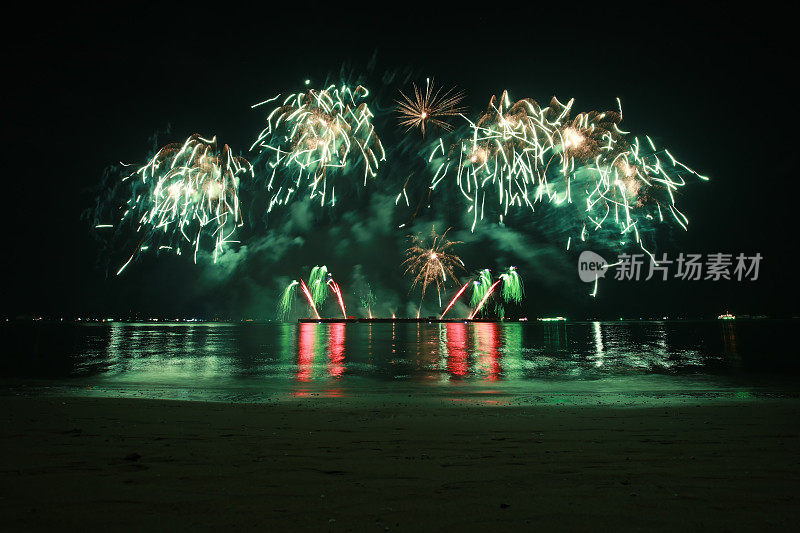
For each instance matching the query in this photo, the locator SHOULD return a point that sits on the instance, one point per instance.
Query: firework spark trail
(313, 135)
(483, 300)
(186, 191)
(455, 298)
(512, 285)
(505, 148)
(309, 298)
(483, 287)
(338, 292)
(480, 286)
(431, 263)
(317, 282)
(520, 154)
(368, 300)
(316, 291)
(429, 106)
(287, 299)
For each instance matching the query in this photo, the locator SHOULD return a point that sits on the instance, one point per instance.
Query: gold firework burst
(430, 261)
(428, 107)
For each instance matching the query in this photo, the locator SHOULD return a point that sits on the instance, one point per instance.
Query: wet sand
(78, 463)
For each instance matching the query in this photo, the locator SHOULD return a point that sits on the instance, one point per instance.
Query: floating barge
(429, 320)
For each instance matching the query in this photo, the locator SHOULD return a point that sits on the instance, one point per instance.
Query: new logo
(591, 266)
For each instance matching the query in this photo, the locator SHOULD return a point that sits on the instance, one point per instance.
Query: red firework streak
(458, 294)
(308, 297)
(335, 288)
(485, 297)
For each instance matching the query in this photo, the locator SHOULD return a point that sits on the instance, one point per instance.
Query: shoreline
(433, 391)
(72, 462)
(412, 396)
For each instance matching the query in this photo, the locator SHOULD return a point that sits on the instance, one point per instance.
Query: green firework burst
(313, 135)
(318, 284)
(480, 287)
(512, 285)
(287, 299)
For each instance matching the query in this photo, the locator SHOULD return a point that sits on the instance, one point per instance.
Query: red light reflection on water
(457, 349)
(305, 351)
(336, 349)
(488, 338)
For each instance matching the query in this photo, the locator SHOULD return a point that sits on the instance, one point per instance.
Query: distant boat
(726, 316)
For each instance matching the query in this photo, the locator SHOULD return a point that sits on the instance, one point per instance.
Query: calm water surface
(613, 362)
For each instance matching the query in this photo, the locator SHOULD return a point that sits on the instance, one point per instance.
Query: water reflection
(310, 344)
(457, 364)
(730, 347)
(159, 354)
(306, 351)
(555, 335)
(336, 349)
(598, 344)
(337, 355)
(453, 351)
(487, 348)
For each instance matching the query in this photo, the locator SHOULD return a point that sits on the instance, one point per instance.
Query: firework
(317, 283)
(429, 107)
(310, 298)
(455, 298)
(484, 286)
(623, 186)
(315, 292)
(480, 286)
(312, 135)
(483, 300)
(430, 262)
(367, 300)
(501, 156)
(338, 292)
(185, 194)
(287, 299)
(520, 154)
(512, 285)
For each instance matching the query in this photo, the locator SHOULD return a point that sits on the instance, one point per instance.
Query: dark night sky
(85, 89)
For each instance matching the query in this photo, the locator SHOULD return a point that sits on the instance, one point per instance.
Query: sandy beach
(78, 463)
